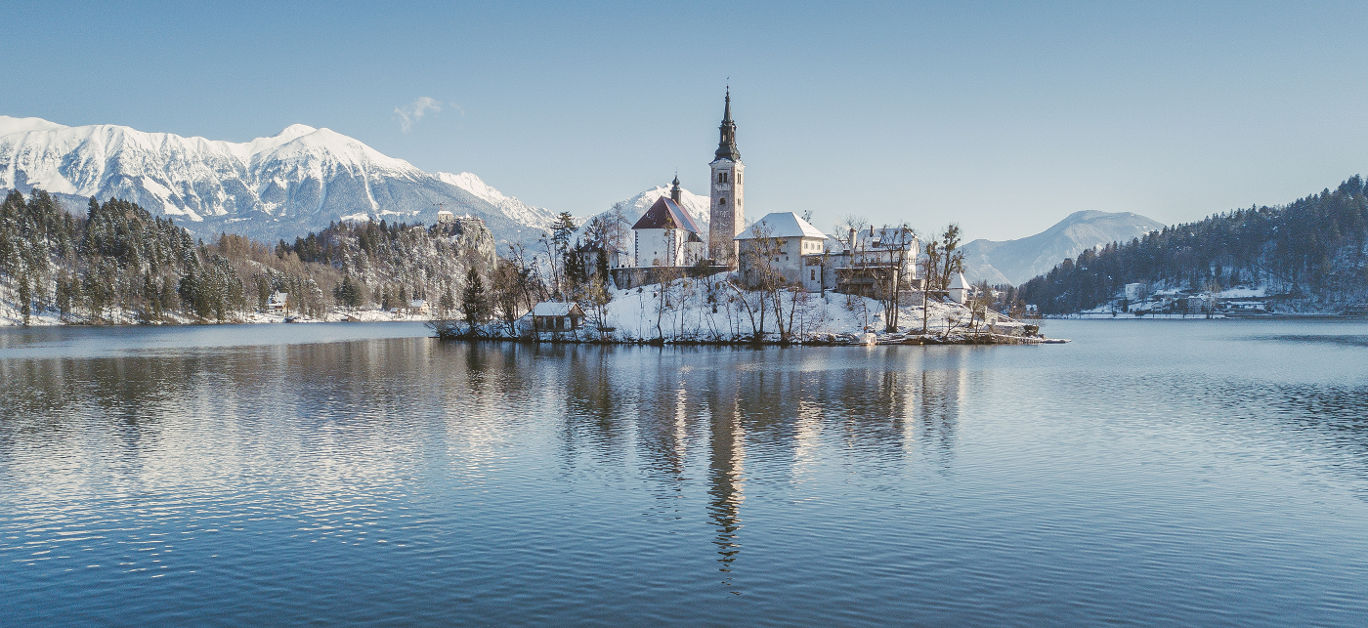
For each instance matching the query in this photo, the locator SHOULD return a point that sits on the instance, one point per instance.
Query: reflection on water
(390, 478)
(1333, 339)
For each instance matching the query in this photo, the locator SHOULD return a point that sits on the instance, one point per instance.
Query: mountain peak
(1016, 261)
(11, 124)
(293, 131)
(1086, 214)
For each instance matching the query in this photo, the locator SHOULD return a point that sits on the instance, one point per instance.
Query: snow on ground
(636, 315)
(11, 316)
(690, 315)
(1243, 292)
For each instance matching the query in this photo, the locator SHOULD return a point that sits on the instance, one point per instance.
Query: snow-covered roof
(888, 238)
(552, 308)
(957, 282)
(781, 225)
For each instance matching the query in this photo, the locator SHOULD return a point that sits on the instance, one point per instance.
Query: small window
(812, 274)
(722, 201)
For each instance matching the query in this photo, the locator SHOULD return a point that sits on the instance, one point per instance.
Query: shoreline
(1280, 316)
(255, 319)
(452, 331)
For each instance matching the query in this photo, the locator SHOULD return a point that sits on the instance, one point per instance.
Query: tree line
(1311, 251)
(118, 263)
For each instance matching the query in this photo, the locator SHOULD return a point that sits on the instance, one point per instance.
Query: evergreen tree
(474, 301)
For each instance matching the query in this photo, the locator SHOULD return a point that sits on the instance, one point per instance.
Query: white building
(959, 289)
(778, 243)
(277, 301)
(871, 260)
(666, 235)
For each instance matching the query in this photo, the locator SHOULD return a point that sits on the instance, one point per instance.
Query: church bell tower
(727, 214)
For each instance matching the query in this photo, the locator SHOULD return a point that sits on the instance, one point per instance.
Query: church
(780, 246)
(665, 236)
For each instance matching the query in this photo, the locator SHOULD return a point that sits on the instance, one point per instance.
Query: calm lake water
(1150, 471)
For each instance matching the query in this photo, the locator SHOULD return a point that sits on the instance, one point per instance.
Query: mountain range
(303, 178)
(1017, 261)
(281, 186)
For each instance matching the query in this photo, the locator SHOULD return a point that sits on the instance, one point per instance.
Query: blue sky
(1004, 117)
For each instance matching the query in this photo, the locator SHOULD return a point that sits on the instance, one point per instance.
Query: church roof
(666, 214)
(781, 225)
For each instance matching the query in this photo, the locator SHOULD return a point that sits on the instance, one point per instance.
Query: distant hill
(1015, 261)
(1309, 255)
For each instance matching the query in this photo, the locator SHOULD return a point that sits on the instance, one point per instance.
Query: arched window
(722, 201)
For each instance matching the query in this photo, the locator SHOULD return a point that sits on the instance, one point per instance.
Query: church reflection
(699, 425)
(726, 467)
(719, 416)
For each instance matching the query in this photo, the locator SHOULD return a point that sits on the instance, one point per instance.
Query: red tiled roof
(666, 214)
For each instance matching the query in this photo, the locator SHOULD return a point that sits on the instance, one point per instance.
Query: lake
(1148, 472)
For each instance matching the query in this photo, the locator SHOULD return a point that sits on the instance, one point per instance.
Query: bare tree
(595, 300)
(507, 293)
(895, 248)
(979, 303)
(764, 277)
(952, 258)
(666, 299)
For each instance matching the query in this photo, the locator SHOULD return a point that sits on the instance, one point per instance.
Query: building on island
(727, 198)
(666, 236)
(958, 289)
(594, 258)
(556, 316)
(775, 248)
(873, 259)
(779, 249)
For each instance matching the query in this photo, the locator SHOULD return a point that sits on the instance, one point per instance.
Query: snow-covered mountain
(633, 208)
(274, 187)
(1016, 261)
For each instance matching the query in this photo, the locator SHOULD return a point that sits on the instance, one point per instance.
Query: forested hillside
(118, 263)
(1310, 255)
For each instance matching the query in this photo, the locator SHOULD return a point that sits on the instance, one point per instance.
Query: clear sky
(1004, 117)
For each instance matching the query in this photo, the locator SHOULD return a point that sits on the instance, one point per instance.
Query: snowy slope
(634, 207)
(279, 186)
(1017, 261)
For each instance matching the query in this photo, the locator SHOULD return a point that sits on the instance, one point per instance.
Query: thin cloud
(411, 113)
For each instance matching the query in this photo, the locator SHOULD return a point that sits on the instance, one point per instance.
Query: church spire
(675, 193)
(726, 145)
